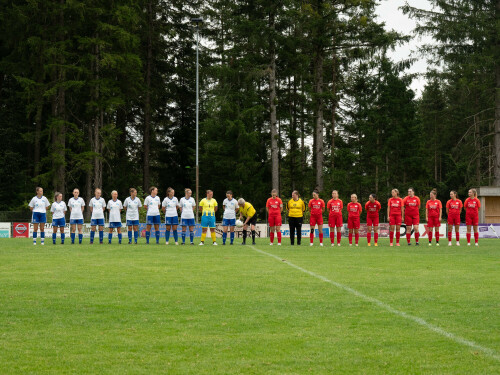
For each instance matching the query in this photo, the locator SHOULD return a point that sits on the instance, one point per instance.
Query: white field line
(459, 340)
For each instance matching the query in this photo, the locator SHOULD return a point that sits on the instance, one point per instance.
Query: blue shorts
(76, 221)
(94, 222)
(171, 220)
(39, 217)
(153, 220)
(115, 224)
(228, 222)
(132, 223)
(208, 221)
(59, 222)
(188, 222)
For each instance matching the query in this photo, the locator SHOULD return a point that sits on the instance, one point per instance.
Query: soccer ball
(239, 223)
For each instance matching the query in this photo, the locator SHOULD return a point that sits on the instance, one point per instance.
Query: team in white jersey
(229, 219)
(115, 208)
(187, 205)
(152, 204)
(76, 205)
(132, 205)
(38, 206)
(97, 206)
(169, 207)
(58, 209)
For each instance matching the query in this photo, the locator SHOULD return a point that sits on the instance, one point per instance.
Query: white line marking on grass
(459, 340)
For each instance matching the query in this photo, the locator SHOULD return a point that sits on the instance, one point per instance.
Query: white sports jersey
(230, 207)
(76, 208)
(171, 206)
(58, 210)
(153, 205)
(115, 208)
(132, 208)
(39, 204)
(187, 207)
(97, 207)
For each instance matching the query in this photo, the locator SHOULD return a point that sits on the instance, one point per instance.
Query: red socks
(339, 237)
(408, 237)
(321, 238)
(350, 238)
(398, 236)
(311, 235)
(449, 236)
(392, 236)
(369, 237)
(376, 237)
(468, 237)
(332, 236)
(430, 236)
(356, 237)
(476, 236)
(417, 236)
(457, 236)
(272, 237)
(279, 237)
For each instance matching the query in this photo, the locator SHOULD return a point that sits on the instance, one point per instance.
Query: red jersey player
(335, 206)
(372, 208)
(274, 207)
(453, 210)
(411, 203)
(317, 207)
(354, 209)
(395, 211)
(433, 213)
(472, 206)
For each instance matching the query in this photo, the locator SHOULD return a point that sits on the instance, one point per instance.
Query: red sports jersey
(354, 209)
(335, 207)
(472, 206)
(274, 206)
(454, 206)
(395, 205)
(433, 207)
(411, 205)
(372, 209)
(316, 206)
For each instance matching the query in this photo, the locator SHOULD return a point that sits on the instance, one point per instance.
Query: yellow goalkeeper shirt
(296, 208)
(208, 206)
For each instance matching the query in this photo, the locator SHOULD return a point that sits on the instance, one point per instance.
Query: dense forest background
(293, 94)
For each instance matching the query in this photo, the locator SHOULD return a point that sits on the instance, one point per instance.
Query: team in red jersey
(354, 209)
(274, 207)
(453, 210)
(395, 211)
(433, 213)
(411, 204)
(334, 207)
(472, 206)
(316, 207)
(372, 208)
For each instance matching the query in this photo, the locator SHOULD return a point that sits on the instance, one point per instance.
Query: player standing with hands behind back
(296, 208)
(208, 208)
(395, 211)
(411, 204)
(38, 206)
(274, 207)
(454, 209)
(433, 213)
(317, 207)
(152, 204)
(472, 206)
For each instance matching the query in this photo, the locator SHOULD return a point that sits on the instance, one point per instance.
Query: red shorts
(316, 220)
(472, 219)
(335, 221)
(433, 222)
(453, 219)
(373, 220)
(353, 222)
(395, 220)
(275, 221)
(412, 219)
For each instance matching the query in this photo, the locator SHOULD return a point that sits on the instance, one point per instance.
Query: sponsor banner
(4, 230)
(260, 231)
(20, 230)
(485, 231)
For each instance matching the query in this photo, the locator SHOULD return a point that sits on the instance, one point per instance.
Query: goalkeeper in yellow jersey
(247, 210)
(208, 207)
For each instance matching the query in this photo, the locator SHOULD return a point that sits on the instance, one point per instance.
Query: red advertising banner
(21, 230)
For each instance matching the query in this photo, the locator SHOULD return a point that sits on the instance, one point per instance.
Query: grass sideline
(141, 309)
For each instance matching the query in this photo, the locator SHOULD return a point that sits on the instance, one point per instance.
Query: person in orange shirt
(472, 206)
(433, 213)
(453, 210)
(334, 207)
(395, 212)
(411, 204)
(354, 209)
(372, 208)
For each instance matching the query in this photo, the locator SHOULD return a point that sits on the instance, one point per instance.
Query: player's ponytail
(434, 192)
(373, 195)
(474, 191)
(396, 191)
(456, 194)
(131, 190)
(151, 189)
(56, 194)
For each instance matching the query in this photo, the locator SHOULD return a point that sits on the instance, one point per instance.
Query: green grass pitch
(101, 309)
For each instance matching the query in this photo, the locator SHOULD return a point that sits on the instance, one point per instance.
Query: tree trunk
(318, 89)
(334, 105)
(97, 124)
(272, 105)
(147, 104)
(38, 131)
(497, 107)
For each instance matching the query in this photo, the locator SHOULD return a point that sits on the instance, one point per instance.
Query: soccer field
(141, 309)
